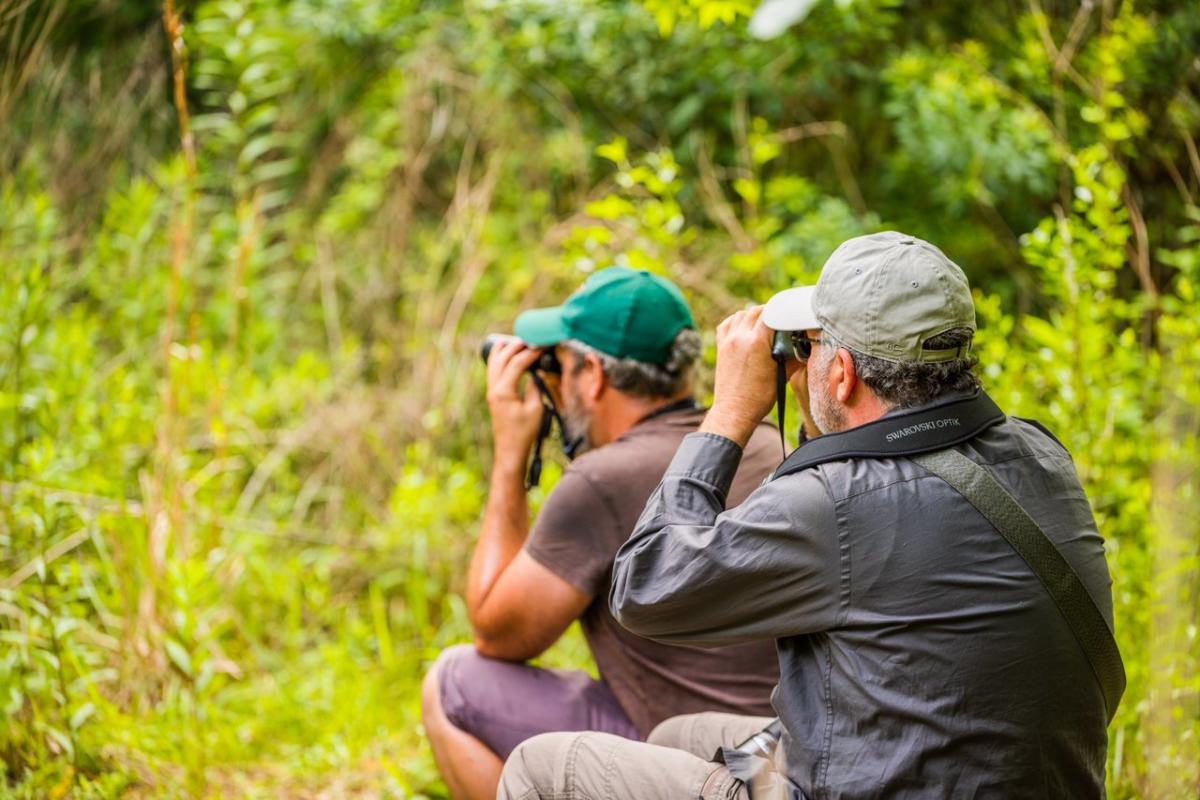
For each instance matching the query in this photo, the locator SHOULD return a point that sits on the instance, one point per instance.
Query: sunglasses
(802, 346)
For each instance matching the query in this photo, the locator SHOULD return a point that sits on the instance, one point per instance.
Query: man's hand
(745, 377)
(516, 417)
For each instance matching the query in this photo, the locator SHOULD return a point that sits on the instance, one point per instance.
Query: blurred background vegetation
(248, 249)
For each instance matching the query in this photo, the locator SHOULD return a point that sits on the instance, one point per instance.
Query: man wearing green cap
(626, 344)
(929, 568)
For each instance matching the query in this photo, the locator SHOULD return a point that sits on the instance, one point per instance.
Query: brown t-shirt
(583, 523)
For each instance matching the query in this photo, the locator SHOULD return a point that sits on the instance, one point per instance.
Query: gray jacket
(920, 656)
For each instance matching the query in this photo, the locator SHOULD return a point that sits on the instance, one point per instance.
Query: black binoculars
(547, 361)
(781, 346)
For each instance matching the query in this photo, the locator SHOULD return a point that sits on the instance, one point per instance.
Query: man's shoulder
(1035, 438)
(636, 455)
(591, 510)
(1013, 443)
(796, 492)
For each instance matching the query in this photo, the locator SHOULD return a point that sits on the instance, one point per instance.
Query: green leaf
(63, 740)
(82, 715)
(684, 113)
(614, 151)
(610, 207)
(748, 189)
(179, 657)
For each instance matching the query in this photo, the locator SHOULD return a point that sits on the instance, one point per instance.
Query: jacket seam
(846, 575)
(822, 787)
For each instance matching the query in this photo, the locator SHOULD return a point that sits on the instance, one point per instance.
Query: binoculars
(547, 361)
(781, 346)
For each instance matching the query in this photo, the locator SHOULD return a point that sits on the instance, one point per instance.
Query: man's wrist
(506, 466)
(731, 425)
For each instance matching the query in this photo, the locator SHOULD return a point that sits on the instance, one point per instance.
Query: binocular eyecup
(546, 362)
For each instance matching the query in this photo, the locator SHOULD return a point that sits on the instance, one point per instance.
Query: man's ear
(845, 375)
(596, 381)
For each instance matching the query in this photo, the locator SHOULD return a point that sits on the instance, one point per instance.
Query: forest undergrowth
(248, 251)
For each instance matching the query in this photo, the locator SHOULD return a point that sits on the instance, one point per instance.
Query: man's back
(943, 666)
(578, 532)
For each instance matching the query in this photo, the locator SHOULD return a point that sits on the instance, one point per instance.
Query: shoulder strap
(933, 428)
(1000, 508)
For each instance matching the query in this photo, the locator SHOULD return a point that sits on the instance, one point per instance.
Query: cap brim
(541, 327)
(791, 310)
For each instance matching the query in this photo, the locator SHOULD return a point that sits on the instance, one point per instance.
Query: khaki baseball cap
(883, 295)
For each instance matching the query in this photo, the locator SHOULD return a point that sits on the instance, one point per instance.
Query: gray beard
(576, 423)
(826, 413)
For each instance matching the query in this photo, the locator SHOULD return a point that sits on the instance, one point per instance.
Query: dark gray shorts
(503, 703)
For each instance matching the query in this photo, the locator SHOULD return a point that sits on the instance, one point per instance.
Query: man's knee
(702, 734)
(600, 766)
(693, 733)
(432, 710)
(537, 766)
(672, 732)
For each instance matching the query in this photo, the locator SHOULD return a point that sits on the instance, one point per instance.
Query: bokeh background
(248, 249)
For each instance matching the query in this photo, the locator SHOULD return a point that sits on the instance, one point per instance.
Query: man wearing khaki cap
(929, 568)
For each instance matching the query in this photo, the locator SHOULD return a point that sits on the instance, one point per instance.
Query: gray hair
(907, 384)
(644, 378)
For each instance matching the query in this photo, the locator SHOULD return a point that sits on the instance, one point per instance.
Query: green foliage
(955, 120)
(241, 448)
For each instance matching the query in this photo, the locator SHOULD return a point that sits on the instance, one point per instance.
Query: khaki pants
(673, 763)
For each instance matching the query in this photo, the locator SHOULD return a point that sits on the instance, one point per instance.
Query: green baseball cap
(883, 295)
(620, 311)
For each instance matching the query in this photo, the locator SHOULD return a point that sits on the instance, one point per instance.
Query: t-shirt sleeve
(576, 534)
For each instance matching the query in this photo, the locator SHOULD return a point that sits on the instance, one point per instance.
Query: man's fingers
(723, 328)
(743, 324)
(521, 361)
(742, 328)
(749, 324)
(761, 329)
(752, 323)
(734, 322)
(502, 353)
(740, 320)
(508, 361)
